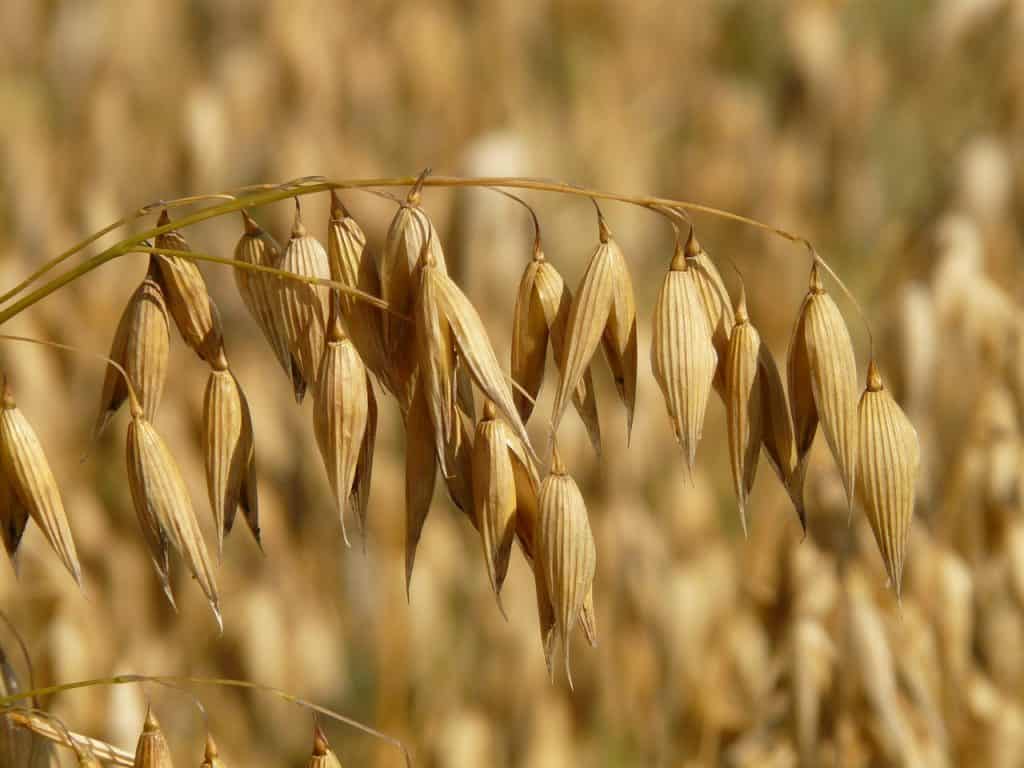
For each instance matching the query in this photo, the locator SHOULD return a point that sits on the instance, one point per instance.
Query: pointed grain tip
(693, 247)
(211, 748)
(164, 219)
(298, 228)
(151, 724)
(338, 209)
(814, 283)
(874, 378)
(251, 227)
(320, 744)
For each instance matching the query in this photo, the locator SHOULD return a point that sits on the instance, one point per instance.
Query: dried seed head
(743, 405)
(211, 755)
(353, 265)
(715, 299)
(152, 750)
(302, 306)
(229, 449)
(832, 371)
(420, 474)
(501, 477)
(436, 359)
(777, 428)
(323, 756)
(459, 459)
(683, 357)
(410, 230)
(603, 310)
(141, 345)
(340, 414)
(259, 290)
(565, 550)
(164, 509)
(32, 484)
(475, 350)
(190, 304)
(541, 313)
(889, 456)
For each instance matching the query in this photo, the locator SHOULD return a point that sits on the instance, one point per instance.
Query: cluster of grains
(339, 318)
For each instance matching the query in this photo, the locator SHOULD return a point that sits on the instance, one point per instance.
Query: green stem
(265, 195)
(8, 701)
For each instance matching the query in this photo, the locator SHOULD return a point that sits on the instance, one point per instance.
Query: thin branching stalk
(7, 702)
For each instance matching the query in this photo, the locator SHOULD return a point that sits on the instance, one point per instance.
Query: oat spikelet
(743, 405)
(352, 264)
(229, 450)
(603, 310)
(832, 370)
(475, 350)
(459, 457)
(190, 304)
(152, 750)
(303, 307)
(541, 313)
(340, 412)
(164, 509)
(211, 755)
(683, 357)
(777, 428)
(31, 482)
(410, 229)
(889, 456)
(259, 290)
(565, 550)
(141, 345)
(496, 492)
(715, 299)
(420, 474)
(323, 756)
(436, 358)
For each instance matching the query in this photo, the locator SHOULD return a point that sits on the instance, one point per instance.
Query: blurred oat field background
(890, 134)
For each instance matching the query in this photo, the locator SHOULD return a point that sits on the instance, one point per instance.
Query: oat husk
(603, 311)
(14, 519)
(474, 349)
(743, 405)
(496, 492)
(31, 483)
(352, 264)
(164, 509)
(715, 299)
(420, 474)
(229, 450)
(340, 412)
(259, 290)
(141, 346)
(779, 442)
(822, 373)
(188, 300)
(565, 550)
(683, 357)
(889, 461)
(541, 315)
(302, 306)
(152, 750)
(360, 497)
(398, 269)
(435, 354)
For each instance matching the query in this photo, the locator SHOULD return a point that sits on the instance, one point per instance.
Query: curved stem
(265, 194)
(7, 701)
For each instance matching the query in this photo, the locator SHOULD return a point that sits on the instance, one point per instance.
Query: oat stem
(259, 195)
(7, 701)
